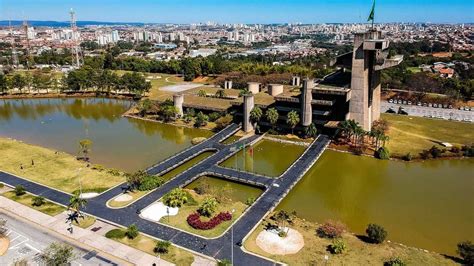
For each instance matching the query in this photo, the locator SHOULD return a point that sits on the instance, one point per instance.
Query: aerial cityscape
(236, 132)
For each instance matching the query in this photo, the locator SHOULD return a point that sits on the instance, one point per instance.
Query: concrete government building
(352, 92)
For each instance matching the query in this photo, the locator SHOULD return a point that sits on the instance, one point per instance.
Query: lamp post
(232, 241)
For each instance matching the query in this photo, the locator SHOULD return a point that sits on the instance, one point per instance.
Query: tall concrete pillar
(364, 105)
(178, 100)
(253, 87)
(248, 106)
(296, 81)
(306, 98)
(228, 84)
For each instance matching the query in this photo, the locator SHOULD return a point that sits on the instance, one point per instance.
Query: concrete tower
(248, 106)
(306, 98)
(369, 57)
(178, 100)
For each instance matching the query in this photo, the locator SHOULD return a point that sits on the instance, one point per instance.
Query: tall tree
(292, 120)
(272, 116)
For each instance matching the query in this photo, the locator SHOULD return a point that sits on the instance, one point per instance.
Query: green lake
(428, 205)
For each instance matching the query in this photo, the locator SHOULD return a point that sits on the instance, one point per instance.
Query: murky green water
(236, 191)
(266, 157)
(123, 143)
(428, 205)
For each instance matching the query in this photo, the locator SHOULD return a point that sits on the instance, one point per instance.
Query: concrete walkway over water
(275, 189)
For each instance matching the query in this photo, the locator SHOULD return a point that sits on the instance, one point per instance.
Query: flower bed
(194, 220)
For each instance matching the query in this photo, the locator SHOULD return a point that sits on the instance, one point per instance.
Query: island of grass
(147, 244)
(345, 249)
(410, 134)
(53, 168)
(135, 193)
(46, 207)
(210, 199)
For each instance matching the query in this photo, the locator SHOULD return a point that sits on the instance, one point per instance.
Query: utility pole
(74, 37)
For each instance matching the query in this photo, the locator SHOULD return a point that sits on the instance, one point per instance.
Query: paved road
(275, 190)
(442, 113)
(27, 242)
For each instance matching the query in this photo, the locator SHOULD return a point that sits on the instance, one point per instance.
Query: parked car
(409, 102)
(390, 100)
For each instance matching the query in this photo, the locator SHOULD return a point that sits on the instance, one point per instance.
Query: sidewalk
(83, 236)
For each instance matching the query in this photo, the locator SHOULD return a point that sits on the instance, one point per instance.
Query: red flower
(194, 220)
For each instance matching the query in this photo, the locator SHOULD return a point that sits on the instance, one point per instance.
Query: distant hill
(42, 23)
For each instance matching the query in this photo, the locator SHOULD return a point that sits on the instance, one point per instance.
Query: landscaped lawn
(48, 207)
(146, 244)
(357, 251)
(179, 220)
(414, 134)
(52, 168)
(86, 222)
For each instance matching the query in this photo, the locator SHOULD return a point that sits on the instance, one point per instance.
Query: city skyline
(244, 11)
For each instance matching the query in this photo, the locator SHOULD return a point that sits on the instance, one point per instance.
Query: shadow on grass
(364, 239)
(453, 258)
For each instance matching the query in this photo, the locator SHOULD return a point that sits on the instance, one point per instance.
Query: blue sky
(241, 11)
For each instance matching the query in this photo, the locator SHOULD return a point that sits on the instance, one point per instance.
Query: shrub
(466, 251)
(1, 185)
(113, 172)
(19, 190)
(468, 151)
(175, 198)
(394, 262)
(425, 155)
(338, 246)
(208, 207)
(202, 188)
(98, 167)
(408, 157)
(162, 247)
(382, 153)
(201, 120)
(132, 231)
(224, 121)
(435, 152)
(376, 233)
(150, 182)
(224, 262)
(194, 220)
(115, 234)
(214, 116)
(331, 229)
(282, 234)
(37, 201)
(455, 149)
(250, 201)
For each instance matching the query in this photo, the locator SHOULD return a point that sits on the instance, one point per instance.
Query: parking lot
(27, 242)
(431, 112)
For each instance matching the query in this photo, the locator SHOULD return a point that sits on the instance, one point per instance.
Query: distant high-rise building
(115, 36)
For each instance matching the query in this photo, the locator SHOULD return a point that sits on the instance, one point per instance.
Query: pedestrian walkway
(220, 248)
(87, 238)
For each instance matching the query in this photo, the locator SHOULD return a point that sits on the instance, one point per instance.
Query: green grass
(55, 169)
(146, 244)
(86, 222)
(179, 220)
(414, 69)
(357, 251)
(48, 207)
(415, 134)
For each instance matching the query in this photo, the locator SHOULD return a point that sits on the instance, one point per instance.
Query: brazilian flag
(372, 13)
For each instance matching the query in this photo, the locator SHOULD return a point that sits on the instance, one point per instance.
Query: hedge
(194, 220)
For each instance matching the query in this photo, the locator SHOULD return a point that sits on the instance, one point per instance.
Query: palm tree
(208, 207)
(272, 116)
(311, 131)
(175, 198)
(202, 93)
(292, 120)
(76, 202)
(255, 115)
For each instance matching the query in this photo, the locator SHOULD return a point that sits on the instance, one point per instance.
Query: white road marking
(33, 248)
